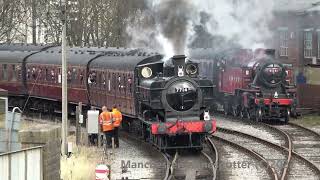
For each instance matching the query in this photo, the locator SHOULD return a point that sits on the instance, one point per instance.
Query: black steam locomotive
(271, 96)
(250, 84)
(173, 103)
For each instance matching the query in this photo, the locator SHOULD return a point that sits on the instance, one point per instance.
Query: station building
(296, 38)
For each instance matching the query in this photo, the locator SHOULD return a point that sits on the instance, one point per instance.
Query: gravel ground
(237, 165)
(251, 129)
(142, 161)
(192, 165)
(309, 121)
(300, 171)
(304, 143)
(275, 157)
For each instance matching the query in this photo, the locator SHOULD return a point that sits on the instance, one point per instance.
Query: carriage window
(39, 75)
(4, 72)
(130, 85)
(81, 78)
(18, 69)
(119, 83)
(92, 79)
(53, 76)
(14, 73)
(103, 81)
(99, 80)
(69, 76)
(109, 81)
(114, 81)
(34, 73)
(46, 75)
(124, 86)
(28, 73)
(74, 76)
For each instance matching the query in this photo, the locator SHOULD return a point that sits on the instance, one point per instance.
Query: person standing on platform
(117, 119)
(107, 126)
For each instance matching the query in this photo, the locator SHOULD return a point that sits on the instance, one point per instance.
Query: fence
(25, 164)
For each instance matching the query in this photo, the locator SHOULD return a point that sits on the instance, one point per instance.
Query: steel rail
(168, 166)
(257, 156)
(214, 164)
(291, 152)
(305, 129)
(289, 148)
(170, 170)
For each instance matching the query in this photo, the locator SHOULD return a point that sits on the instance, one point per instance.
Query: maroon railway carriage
(12, 62)
(168, 109)
(32, 74)
(250, 84)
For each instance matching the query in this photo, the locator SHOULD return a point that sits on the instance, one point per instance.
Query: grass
(1, 124)
(308, 120)
(81, 165)
(2, 121)
(27, 125)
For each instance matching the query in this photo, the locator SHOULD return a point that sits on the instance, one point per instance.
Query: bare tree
(91, 22)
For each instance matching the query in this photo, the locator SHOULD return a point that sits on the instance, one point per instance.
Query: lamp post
(64, 129)
(65, 8)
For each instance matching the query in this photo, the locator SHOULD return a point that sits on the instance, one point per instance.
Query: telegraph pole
(64, 129)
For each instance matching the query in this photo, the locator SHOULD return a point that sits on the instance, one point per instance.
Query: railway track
(254, 128)
(193, 165)
(305, 142)
(283, 157)
(239, 161)
(153, 163)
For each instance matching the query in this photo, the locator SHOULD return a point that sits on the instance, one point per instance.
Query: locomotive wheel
(258, 115)
(234, 111)
(247, 114)
(293, 113)
(241, 114)
(225, 109)
(287, 117)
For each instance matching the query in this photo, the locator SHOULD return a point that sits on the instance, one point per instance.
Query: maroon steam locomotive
(250, 84)
(167, 105)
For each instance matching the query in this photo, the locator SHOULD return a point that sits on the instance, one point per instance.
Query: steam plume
(169, 26)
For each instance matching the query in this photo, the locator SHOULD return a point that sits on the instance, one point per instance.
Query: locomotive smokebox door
(179, 65)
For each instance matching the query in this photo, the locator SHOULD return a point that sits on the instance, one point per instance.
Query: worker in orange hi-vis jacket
(105, 119)
(117, 119)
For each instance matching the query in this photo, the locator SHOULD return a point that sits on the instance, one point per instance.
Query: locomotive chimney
(270, 52)
(179, 64)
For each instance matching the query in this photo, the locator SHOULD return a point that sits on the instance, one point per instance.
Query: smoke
(241, 22)
(173, 26)
(174, 20)
(164, 26)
